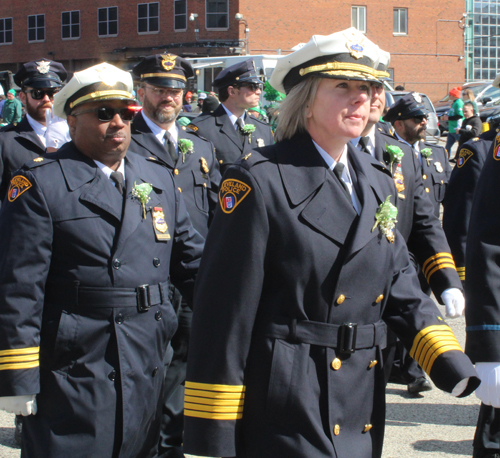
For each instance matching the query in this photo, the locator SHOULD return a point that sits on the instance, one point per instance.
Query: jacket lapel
(380, 151)
(25, 131)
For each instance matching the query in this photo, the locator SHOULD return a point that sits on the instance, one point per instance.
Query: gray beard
(164, 118)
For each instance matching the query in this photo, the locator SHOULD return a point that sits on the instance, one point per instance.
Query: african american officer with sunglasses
(39, 81)
(232, 131)
(90, 238)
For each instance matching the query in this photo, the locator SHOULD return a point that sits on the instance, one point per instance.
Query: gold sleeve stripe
(20, 351)
(444, 265)
(211, 387)
(434, 344)
(461, 269)
(433, 258)
(220, 402)
(427, 365)
(213, 416)
(18, 359)
(213, 409)
(212, 395)
(30, 365)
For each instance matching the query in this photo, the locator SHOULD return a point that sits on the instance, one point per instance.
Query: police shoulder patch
(192, 127)
(496, 148)
(464, 156)
(18, 185)
(231, 194)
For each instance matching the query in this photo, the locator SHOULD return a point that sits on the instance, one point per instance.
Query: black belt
(73, 295)
(346, 337)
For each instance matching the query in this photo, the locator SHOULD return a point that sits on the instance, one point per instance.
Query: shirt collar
(371, 143)
(107, 171)
(159, 133)
(233, 117)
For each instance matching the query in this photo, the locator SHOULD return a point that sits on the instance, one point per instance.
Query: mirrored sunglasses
(39, 94)
(106, 114)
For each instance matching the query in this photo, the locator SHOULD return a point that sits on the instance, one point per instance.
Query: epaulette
(7, 128)
(38, 162)
(259, 121)
(191, 131)
(382, 168)
(157, 160)
(248, 160)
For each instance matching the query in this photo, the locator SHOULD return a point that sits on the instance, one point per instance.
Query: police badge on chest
(160, 225)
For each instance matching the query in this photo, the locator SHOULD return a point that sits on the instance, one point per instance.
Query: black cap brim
(38, 83)
(165, 82)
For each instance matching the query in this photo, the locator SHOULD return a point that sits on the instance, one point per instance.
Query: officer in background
(418, 225)
(458, 200)
(192, 161)
(89, 238)
(408, 116)
(232, 131)
(39, 80)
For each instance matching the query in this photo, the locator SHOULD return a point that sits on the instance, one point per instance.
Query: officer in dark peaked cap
(191, 159)
(39, 81)
(408, 117)
(90, 238)
(232, 131)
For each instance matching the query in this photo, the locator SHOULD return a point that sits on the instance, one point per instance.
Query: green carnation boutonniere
(141, 193)
(247, 130)
(426, 152)
(395, 153)
(385, 218)
(185, 146)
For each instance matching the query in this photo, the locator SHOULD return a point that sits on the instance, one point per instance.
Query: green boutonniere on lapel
(247, 130)
(185, 146)
(395, 153)
(141, 193)
(426, 152)
(385, 219)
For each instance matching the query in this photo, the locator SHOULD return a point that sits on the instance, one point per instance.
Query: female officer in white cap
(289, 324)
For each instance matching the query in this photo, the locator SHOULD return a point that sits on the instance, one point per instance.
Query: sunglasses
(106, 114)
(252, 86)
(39, 94)
(419, 119)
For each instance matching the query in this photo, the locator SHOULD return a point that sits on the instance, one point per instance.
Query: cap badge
(417, 97)
(168, 61)
(355, 49)
(106, 75)
(43, 67)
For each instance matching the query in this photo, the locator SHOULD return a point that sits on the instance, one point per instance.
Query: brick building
(423, 36)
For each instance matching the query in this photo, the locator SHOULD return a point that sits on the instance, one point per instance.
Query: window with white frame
(217, 14)
(148, 17)
(180, 14)
(107, 21)
(400, 21)
(70, 25)
(6, 37)
(358, 18)
(36, 27)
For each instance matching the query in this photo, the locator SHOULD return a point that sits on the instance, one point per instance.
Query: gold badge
(399, 179)
(260, 142)
(204, 165)
(355, 44)
(107, 75)
(159, 224)
(463, 157)
(439, 167)
(38, 159)
(168, 61)
(43, 67)
(232, 193)
(18, 185)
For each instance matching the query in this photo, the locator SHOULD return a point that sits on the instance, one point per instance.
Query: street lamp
(239, 17)
(193, 17)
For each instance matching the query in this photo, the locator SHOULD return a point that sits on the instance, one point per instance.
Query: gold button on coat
(336, 430)
(205, 185)
(424, 177)
(379, 299)
(373, 363)
(220, 161)
(427, 190)
(336, 364)
(176, 171)
(367, 428)
(180, 190)
(340, 299)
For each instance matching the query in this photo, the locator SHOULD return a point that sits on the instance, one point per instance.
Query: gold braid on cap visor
(344, 68)
(102, 95)
(164, 75)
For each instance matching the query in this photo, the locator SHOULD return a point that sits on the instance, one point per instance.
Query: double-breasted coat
(288, 326)
(86, 319)
(218, 128)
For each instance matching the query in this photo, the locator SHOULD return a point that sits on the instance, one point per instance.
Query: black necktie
(117, 177)
(169, 144)
(363, 145)
(338, 169)
(239, 129)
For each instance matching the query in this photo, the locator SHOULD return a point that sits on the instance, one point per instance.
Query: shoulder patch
(192, 127)
(18, 185)
(496, 148)
(232, 193)
(464, 156)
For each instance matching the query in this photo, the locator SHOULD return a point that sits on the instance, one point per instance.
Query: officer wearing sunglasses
(232, 131)
(39, 81)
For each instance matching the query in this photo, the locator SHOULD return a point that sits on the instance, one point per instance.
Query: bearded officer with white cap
(90, 239)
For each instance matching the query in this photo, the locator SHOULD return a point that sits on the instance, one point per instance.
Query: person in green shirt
(12, 111)
(455, 118)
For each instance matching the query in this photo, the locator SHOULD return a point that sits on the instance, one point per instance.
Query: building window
(217, 14)
(358, 18)
(6, 31)
(107, 21)
(148, 17)
(180, 15)
(70, 23)
(36, 27)
(400, 21)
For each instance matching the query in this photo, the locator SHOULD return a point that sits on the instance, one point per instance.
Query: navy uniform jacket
(417, 222)
(267, 376)
(458, 200)
(436, 174)
(18, 145)
(197, 176)
(71, 262)
(482, 294)
(218, 128)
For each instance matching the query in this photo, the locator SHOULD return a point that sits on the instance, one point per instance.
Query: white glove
(454, 302)
(57, 133)
(489, 390)
(20, 405)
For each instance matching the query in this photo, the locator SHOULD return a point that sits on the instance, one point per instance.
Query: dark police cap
(164, 70)
(41, 73)
(408, 106)
(242, 72)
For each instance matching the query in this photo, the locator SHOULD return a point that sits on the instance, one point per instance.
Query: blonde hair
(470, 94)
(293, 110)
